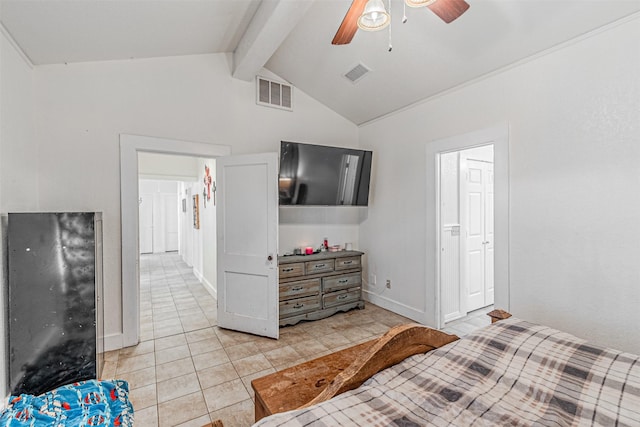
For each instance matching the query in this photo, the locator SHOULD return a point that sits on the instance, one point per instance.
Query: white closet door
(171, 221)
(479, 234)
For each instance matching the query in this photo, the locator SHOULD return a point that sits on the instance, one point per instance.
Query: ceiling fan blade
(449, 10)
(349, 25)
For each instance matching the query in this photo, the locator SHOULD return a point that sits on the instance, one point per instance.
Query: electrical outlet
(372, 279)
(388, 284)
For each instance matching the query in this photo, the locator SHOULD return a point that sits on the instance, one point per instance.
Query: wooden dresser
(316, 286)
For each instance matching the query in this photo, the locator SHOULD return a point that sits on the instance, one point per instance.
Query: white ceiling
(59, 31)
(292, 38)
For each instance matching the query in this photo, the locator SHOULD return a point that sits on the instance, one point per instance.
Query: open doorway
(176, 212)
(466, 229)
(446, 223)
(130, 147)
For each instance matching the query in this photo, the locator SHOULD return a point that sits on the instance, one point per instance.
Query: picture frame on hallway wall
(196, 212)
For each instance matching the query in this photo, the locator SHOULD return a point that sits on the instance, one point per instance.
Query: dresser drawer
(341, 282)
(340, 297)
(291, 270)
(299, 289)
(313, 267)
(348, 262)
(299, 306)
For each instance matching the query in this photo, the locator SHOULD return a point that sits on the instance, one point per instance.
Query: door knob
(270, 258)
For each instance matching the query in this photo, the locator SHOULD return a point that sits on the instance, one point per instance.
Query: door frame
(130, 146)
(497, 135)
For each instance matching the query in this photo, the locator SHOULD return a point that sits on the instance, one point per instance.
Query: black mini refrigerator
(55, 299)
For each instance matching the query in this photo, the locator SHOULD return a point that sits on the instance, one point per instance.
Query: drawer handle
(343, 296)
(298, 305)
(288, 270)
(347, 262)
(297, 288)
(343, 281)
(320, 265)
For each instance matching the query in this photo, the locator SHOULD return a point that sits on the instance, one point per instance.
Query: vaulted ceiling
(292, 38)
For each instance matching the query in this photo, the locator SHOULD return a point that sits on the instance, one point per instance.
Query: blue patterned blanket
(85, 403)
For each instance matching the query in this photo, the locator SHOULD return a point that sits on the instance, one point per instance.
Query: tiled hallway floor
(187, 371)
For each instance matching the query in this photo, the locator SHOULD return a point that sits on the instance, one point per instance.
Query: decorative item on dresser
(316, 286)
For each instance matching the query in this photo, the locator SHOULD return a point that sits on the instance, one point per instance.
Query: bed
(510, 373)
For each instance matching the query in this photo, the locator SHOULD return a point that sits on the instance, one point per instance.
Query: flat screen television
(319, 175)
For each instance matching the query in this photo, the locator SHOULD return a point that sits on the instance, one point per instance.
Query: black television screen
(319, 175)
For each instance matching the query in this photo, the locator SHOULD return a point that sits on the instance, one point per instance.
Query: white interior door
(171, 221)
(478, 224)
(247, 228)
(145, 215)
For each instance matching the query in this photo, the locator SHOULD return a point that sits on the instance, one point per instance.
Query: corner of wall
(7, 35)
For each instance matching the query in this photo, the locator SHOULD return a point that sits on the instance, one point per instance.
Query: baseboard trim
(394, 306)
(198, 275)
(210, 288)
(113, 342)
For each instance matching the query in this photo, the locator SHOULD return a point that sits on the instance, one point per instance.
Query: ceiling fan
(371, 15)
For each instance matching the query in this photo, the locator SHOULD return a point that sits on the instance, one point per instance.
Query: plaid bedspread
(510, 373)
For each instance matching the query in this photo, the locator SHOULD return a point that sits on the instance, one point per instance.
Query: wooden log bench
(327, 376)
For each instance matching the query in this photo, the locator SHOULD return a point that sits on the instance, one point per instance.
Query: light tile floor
(474, 320)
(186, 371)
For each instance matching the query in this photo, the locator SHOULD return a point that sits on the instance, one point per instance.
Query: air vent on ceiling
(356, 73)
(274, 94)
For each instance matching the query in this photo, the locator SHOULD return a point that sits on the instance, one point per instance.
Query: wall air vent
(357, 73)
(274, 94)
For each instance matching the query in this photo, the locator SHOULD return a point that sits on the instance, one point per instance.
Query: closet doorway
(466, 231)
(468, 258)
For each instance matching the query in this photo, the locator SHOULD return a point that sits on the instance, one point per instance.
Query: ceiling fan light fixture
(419, 3)
(374, 17)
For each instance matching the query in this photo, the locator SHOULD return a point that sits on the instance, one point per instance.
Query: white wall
(18, 147)
(186, 224)
(339, 224)
(82, 108)
(574, 117)
(196, 236)
(167, 166)
(208, 228)
(18, 156)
